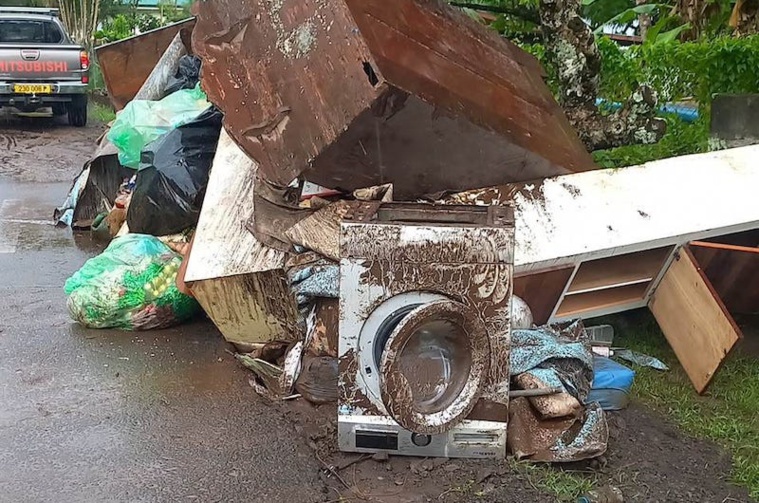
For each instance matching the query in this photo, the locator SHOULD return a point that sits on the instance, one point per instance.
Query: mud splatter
(571, 189)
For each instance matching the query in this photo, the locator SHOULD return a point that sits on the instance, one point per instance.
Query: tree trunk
(644, 21)
(80, 18)
(571, 47)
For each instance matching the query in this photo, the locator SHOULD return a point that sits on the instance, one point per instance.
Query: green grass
(565, 485)
(101, 113)
(727, 414)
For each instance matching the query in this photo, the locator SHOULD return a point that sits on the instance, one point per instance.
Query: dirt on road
(44, 150)
(222, 438)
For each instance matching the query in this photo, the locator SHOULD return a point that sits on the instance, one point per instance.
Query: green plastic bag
(131, 286)
(142, 121)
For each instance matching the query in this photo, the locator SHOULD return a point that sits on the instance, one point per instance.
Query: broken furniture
(239, 282)
(601, 242)
(356, 93)
(425, 293)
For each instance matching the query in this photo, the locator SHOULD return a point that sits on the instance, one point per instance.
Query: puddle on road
(26, 222)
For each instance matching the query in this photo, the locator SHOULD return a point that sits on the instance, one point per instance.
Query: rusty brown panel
(448, 100)
(127, 63)
(541, 291)
(428, 49)
(288, 75)
(435, 26)
(732, 273)
(421, 149)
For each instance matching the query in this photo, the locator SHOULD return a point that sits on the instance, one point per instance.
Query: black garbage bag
(187, 76)
(173, 176)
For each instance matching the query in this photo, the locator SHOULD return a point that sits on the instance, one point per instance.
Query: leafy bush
(675, 70)
(117, 28)
(146, 22)
(682, 70)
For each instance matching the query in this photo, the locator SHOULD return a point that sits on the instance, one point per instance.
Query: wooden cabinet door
(694, 319)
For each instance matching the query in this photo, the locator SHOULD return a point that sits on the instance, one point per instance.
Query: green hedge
(675, 70)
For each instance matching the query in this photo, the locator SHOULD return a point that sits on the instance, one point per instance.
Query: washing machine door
(433, 366)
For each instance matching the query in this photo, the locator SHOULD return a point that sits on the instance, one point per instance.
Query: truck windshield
(22, 31)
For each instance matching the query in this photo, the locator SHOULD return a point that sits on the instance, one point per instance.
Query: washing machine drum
(433, 361)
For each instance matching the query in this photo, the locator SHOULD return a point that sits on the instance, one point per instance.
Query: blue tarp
(685, 112)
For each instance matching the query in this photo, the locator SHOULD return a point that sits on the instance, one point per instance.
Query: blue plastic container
(612, 382)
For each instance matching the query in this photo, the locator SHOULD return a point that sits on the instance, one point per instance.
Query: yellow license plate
(32, 88)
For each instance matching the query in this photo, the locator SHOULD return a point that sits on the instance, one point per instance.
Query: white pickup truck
(41, 69)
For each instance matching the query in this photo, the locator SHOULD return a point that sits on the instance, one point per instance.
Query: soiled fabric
(557, 361)
(560, 427)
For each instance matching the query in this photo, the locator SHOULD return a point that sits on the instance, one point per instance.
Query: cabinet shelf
(621, 271)
(596, 300)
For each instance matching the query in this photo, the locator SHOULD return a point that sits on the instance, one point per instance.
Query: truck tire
(59, 109)
(78, 111)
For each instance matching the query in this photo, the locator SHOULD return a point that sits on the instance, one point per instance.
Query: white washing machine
(425, 294)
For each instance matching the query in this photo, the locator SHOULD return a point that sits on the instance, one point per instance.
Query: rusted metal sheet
(127, 63)
(433, 51)
(357, 93)
(288, 75)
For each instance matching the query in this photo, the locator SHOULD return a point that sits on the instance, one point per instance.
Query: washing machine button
(420, 440)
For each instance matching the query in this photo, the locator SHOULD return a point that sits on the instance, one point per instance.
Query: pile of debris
(360, 188)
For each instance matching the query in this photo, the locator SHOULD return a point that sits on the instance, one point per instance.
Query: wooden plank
(584, 303)
(223, 246)
(733, 272)
(694, 320)
(250, 308)
(541, 291)
(721, 246)
(620, 270)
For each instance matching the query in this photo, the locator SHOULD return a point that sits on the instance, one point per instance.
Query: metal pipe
(534, 392)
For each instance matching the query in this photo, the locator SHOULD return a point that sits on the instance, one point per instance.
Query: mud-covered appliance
(425, 294)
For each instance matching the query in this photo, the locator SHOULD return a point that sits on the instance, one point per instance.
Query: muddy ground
(170, 416)
(648, 459)
(44, 150)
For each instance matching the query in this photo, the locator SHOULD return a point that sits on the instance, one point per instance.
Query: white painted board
(578, 217)
(222, 245)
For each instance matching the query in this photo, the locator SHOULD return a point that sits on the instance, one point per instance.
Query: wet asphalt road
(94, 416)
